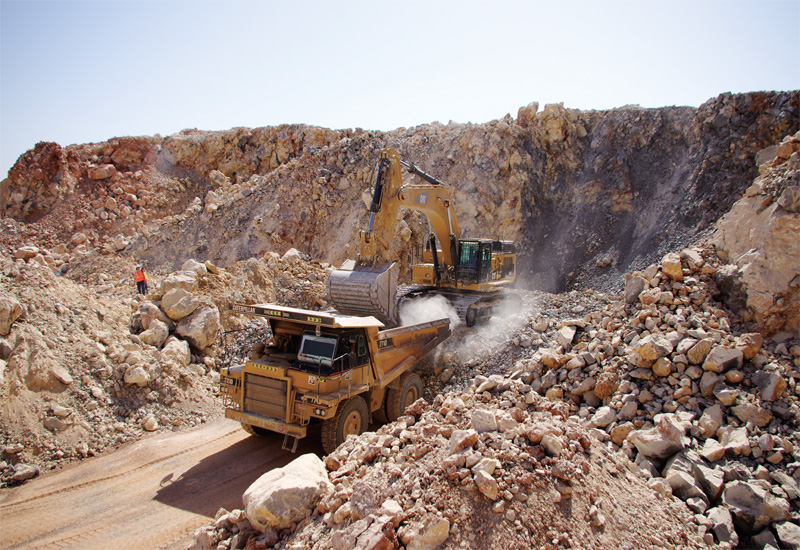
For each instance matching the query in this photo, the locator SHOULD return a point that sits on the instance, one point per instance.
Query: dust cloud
(426, 309)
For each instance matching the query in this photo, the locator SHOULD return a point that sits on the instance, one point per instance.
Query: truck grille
(265, 396)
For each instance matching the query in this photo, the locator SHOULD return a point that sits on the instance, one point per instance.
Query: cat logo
(312, 380)
(422, 199)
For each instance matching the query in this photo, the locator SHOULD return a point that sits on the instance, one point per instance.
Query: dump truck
(339, 370)
(468, 272)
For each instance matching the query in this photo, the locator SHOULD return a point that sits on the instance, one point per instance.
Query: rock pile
(80, 373)
(659, 387)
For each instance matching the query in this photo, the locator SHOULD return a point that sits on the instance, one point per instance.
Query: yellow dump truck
(339, 370)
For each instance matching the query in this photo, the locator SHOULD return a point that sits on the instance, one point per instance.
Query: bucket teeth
(365, 290)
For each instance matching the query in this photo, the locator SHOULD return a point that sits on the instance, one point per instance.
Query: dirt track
(151, 494)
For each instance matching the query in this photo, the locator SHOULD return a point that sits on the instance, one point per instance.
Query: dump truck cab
(335, 369)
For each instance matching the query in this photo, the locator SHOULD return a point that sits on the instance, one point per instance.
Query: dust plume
(428, 309)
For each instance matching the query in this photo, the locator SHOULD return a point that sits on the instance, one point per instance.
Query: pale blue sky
(79, 72)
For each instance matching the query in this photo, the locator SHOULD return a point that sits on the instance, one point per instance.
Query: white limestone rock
(283, 495)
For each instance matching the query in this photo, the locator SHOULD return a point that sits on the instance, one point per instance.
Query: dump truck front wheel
(352, 417)
(255, 430)
(397, 400)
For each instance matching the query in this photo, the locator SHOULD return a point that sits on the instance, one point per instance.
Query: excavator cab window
(474, 262)
(468, 262)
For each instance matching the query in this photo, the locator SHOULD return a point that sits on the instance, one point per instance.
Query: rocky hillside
(587, 195)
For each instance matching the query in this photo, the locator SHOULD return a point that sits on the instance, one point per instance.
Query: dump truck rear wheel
(397, 400)
(255, 430)
(352, 417)
(379, 415)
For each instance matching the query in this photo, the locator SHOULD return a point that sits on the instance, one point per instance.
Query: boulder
(284, 495)
(603, 417)
(749, 344)
(710, 422)
(371, 533)
(23, 472)
(721, 359)
(771, 385)
(662, 441)
(722, 525)
(462, 439)
(699, 351)
(201, 327)
(634, 285)
(484, 421)
(750, 412)
(187, 280)
(10, 310)
(564, 336)
(762, 242)
(788, 534)
(176, 352)
(145, 314)
(429, 534)
(138, 376)
(178, 303)
(195, 266)
(753, 507)
(671, 266)
(653, 346)
(156, 335)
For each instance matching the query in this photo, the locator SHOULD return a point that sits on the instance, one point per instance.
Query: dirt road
(152, 494)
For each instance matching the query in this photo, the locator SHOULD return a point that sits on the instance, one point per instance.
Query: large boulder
(145, 314)
(201, 327)
(176, 352)
(662, 441)
(10, 310)
(178, 303)
(187, 280)
(284, 495)
(753, 507)
(32, 364)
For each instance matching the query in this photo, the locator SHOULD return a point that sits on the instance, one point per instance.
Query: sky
(82, 72)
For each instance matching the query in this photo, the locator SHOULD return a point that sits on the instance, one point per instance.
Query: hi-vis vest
(140, 275)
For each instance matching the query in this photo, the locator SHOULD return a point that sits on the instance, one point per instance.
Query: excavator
(469, 273)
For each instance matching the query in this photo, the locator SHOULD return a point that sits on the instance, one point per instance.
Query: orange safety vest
(140, 276)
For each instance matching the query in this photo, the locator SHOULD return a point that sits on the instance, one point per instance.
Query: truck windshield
(317, 349)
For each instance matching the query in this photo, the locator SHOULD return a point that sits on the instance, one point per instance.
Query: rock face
(760, 237)
(547, 179)
(283, 495)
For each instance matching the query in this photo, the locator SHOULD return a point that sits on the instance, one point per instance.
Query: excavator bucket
(365, 290)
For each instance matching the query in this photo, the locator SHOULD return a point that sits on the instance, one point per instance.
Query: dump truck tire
(397, 400)
(352, 417)
(255, 430)
(379, 415)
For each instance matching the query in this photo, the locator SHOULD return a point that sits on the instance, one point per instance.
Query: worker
(141, 280)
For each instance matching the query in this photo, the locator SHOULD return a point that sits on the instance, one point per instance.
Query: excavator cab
(474, 262)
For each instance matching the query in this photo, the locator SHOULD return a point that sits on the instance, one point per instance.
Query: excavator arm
(390, 194)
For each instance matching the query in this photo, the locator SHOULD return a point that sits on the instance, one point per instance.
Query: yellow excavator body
(468, 272)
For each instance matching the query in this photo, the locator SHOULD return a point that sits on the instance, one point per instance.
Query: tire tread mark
(121, 474)
(60, 543)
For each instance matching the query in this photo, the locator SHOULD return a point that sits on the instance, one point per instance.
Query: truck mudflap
(271, 424)
(365, 290)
